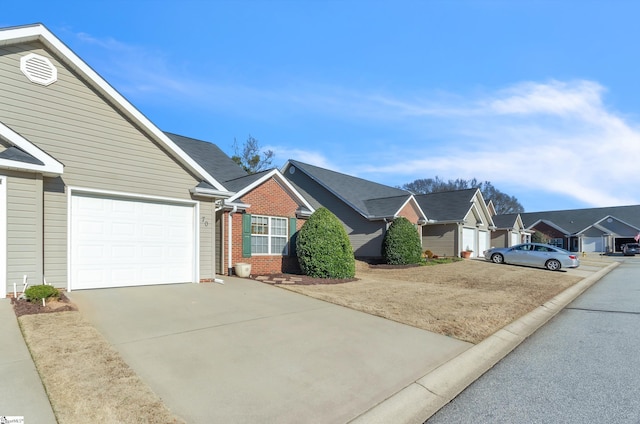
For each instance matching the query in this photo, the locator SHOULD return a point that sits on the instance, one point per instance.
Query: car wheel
(553, 265)
(497, 258)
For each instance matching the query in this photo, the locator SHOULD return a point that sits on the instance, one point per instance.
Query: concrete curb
(423, 398)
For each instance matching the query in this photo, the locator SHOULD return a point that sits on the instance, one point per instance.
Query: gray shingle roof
(505, 221)
(447, 205)
(17, 154)
(210, 158)
(372, 200)
(244, 181)
(576, 220)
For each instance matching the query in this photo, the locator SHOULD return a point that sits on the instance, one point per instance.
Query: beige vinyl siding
(206, 237)
(24, 228)
(500, 238)
(471, 219)
(441, 239)
(366, 238)
(100, 149)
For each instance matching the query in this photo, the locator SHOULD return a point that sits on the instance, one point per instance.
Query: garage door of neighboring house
(483, 242)
(515, 239)
(118, 241)
(592, 244)
(469, 240)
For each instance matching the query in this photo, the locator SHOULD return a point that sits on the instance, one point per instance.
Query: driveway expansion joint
(195, 330)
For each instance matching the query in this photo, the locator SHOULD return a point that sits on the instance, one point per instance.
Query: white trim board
(3, 236)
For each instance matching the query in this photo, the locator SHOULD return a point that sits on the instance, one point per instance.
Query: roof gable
(230, 174)
(39, 33)
(24, 155)
(371, 200)
(508, 221)
(447, 205)
(253, 181)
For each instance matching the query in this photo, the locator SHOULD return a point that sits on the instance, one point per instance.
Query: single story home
(257, 224)
(459, 221)
(92, 193)
(587, 230)
(365, 208)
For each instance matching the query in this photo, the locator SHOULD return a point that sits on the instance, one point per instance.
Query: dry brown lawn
(468, 300)
(85, 378)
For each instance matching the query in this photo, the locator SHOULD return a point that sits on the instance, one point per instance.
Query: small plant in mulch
(43, 291)
(31, 302)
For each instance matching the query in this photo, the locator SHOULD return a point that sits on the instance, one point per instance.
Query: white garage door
(483, 242)
(118, 242)
(515, 239)
(592, 244)
(469, 240)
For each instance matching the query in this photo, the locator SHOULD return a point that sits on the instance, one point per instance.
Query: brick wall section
(410, 211)
(269, 199)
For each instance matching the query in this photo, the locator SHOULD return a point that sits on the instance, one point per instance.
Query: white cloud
(562, 140)
(316, 158)
(573, 99)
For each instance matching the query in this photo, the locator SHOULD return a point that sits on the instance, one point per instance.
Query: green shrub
(43, 291)
(401, 243)
(323, 247)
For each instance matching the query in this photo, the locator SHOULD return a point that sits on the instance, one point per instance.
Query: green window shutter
(293, 235)
(246, 235)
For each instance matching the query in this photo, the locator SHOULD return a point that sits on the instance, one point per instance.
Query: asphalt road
(582, 367)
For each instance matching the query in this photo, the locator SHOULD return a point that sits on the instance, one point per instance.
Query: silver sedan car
(533, 254)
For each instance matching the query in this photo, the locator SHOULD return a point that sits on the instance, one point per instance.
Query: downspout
(213, 247)
(229, 237)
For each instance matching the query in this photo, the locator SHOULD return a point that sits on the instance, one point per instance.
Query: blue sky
(541, 98)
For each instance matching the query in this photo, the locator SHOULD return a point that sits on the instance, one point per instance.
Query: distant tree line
(502, 202)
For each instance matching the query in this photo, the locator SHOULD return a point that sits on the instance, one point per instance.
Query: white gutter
(209, 192)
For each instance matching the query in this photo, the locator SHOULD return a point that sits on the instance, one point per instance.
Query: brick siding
(268, 199)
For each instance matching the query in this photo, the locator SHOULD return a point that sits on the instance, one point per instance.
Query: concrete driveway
(250, 352)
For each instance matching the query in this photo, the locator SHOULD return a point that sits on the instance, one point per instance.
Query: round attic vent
(292, 170)
(38, 69)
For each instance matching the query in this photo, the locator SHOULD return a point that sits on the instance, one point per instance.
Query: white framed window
(268, 235)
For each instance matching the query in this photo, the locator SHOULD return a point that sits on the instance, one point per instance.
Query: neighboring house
(509, 231)
(458, 221)
(92, 193)
(587, 230)
(365, 208)
(257, 224)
